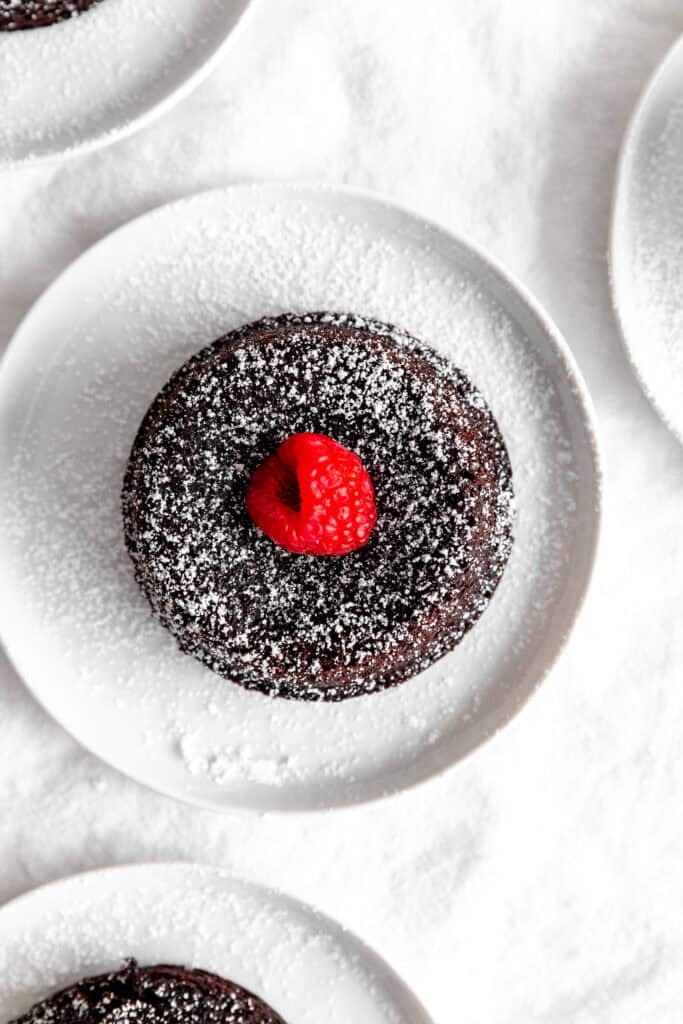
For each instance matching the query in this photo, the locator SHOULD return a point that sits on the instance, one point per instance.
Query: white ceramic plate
(646, 251)
(87, 81)
(74, 386)
(308, 968)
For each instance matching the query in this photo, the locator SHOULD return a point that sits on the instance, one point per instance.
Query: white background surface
(540, 881)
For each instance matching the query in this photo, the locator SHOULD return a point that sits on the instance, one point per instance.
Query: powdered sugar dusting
(155, 295)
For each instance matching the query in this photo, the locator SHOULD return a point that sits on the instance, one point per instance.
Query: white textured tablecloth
(542, 880)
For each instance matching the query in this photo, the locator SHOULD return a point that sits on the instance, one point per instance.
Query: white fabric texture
(540, 881)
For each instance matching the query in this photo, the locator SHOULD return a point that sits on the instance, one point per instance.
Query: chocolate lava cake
(19, 14)
(152, 995)
(306, 626)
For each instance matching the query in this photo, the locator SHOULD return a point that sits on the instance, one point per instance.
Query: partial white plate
(74, 386)
(646, 249)
(307, 967)
(87, 81)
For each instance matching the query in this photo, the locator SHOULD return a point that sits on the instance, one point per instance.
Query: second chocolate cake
(164, 994)
(23, 14)
(319, 625)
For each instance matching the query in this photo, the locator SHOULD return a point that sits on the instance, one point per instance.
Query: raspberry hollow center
(289, 493)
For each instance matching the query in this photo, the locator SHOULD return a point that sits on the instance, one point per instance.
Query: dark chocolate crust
(164, 994)
(21, 14)
(319, 627)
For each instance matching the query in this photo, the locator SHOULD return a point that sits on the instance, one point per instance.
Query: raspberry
(313, 497)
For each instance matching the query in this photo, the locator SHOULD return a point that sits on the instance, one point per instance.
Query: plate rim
(621, 175)
(227, 877)
(584, 403)
(148, 115)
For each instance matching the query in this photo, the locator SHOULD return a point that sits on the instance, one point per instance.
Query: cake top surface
(425, 435)
(162, 994)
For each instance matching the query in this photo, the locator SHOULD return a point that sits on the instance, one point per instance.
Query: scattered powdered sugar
(304, 966)
(97, 73)
(161, 291)
(225, 764)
